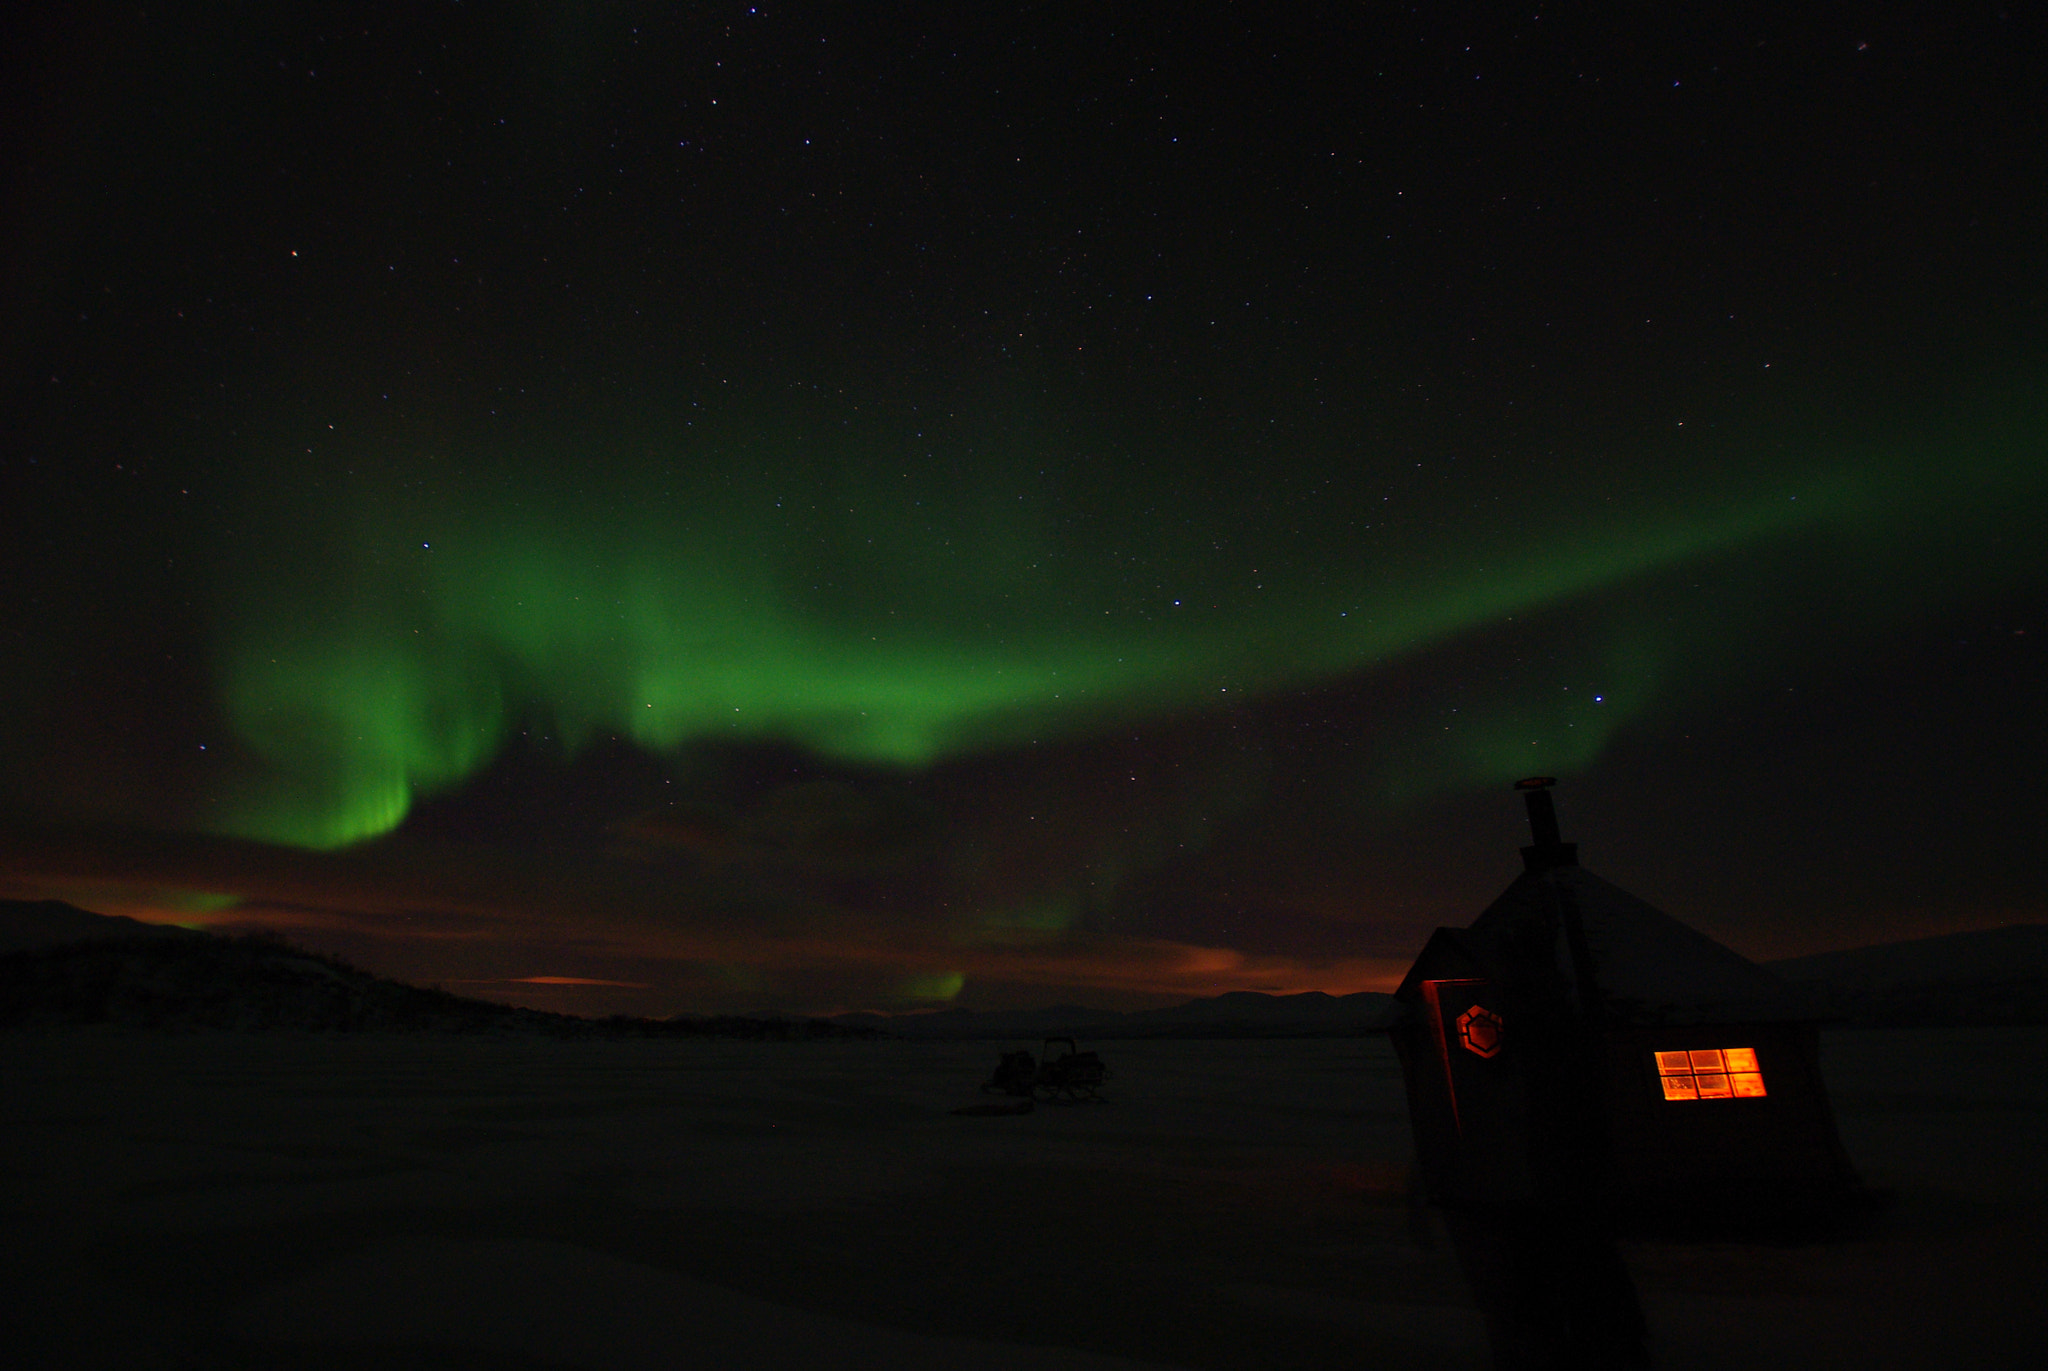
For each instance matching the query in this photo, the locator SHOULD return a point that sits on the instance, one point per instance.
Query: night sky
(812, 507)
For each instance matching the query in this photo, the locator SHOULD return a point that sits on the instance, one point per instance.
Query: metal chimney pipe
(1549, 850)
(1542, 813)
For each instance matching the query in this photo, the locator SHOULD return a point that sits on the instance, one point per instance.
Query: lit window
(1714, 1073)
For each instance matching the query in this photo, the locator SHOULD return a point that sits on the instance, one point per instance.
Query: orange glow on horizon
(555, 980)
(446, 915)
(576, 980)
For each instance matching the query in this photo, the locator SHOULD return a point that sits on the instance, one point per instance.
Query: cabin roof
(1646, 966)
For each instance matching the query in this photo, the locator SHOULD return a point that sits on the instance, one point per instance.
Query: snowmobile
(1072, 1075)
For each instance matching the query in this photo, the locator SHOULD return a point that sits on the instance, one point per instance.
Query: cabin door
(1484, 1077)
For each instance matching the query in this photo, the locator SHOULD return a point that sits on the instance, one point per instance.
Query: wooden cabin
(1576, 1045)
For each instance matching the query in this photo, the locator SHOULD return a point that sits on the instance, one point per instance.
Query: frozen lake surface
(325, 1202)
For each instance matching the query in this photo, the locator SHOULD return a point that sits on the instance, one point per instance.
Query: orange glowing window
(1714, 1073)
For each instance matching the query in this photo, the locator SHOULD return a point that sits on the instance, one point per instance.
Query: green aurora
(897, 617)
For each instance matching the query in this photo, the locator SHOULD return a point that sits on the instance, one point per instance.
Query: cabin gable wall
(1786, 1137)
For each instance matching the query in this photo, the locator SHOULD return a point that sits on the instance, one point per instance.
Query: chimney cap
(1536, 782)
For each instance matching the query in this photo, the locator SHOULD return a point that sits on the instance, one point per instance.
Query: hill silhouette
(41, 923)
(1987, 976)
(62, 965)
(134, 975)
(1235, 1014)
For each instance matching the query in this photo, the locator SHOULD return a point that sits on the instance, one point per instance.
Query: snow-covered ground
(231, 1201)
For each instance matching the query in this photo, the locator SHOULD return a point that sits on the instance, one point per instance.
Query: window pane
(1713, 1086)
(1674, 1063)
(1680, 1088)
(1708, 1060)
(1747, 1084)
(1740, 1058)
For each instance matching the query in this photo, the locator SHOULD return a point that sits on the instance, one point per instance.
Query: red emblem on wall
(1479, 1030)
